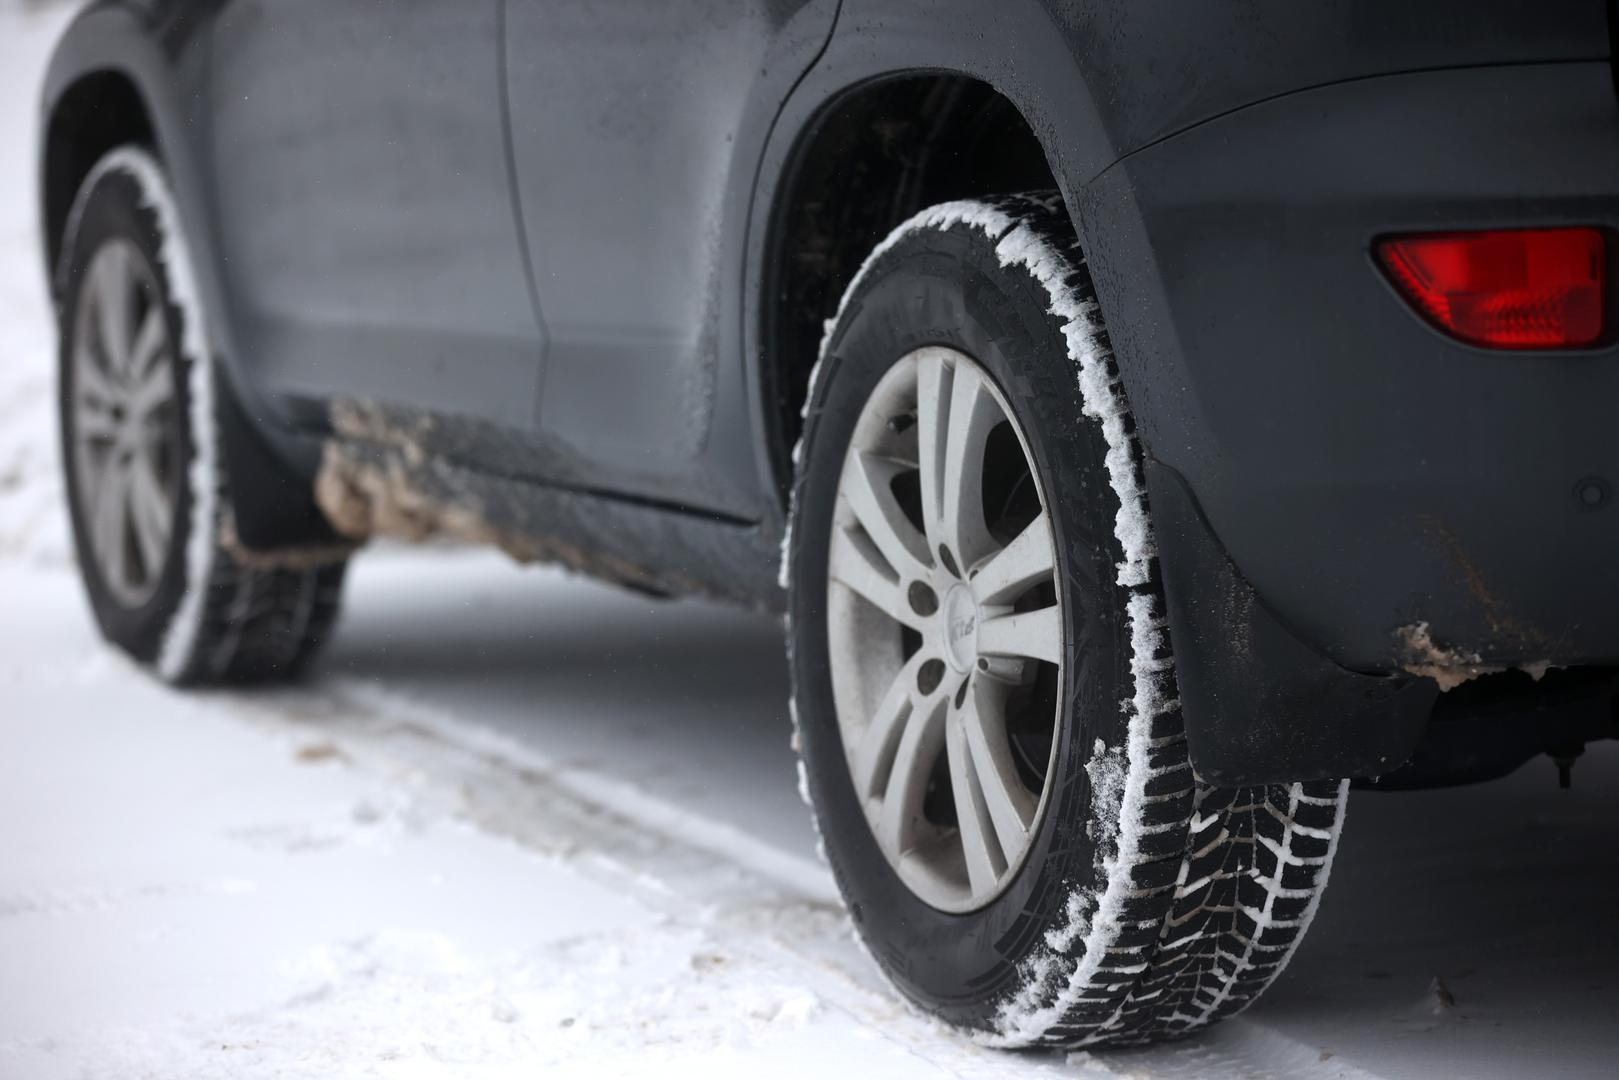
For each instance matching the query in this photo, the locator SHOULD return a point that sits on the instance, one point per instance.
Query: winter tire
(148, 493)
(983, 683)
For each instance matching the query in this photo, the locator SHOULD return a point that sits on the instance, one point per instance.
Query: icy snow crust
(180, 640)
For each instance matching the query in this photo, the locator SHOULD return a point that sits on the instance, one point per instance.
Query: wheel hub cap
(124, 423)
(944, 630)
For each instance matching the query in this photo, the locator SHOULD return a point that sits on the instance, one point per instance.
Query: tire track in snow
(769, 907)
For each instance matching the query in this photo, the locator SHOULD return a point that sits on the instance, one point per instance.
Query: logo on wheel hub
(960, 612)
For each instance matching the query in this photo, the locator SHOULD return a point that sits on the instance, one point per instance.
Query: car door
(363, 204)
(636, 127)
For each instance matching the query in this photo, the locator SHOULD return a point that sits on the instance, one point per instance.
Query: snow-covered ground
(522, 825)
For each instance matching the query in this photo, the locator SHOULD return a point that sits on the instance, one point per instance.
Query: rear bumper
(1363, 475)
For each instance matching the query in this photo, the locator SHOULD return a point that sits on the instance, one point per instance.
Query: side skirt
(414, 476)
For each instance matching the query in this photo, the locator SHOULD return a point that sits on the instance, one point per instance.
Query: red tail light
(1510, 289)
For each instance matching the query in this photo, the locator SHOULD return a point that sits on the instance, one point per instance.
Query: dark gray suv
(1150, 417)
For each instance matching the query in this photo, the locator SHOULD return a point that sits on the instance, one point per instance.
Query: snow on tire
(1141, 904)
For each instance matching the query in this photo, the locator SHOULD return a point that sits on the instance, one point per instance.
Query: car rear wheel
(148, 494)
(983, 682)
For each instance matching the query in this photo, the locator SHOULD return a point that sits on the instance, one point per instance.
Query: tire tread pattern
(1225, 880)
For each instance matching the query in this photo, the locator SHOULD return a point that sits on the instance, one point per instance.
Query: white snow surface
(522, 825)
(33, 528)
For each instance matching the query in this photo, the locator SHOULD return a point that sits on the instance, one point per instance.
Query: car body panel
(1160, 67)
(364, 209)
(1364, 471)
(588, 357)
(635, 132)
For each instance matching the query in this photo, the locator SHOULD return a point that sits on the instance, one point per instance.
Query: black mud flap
(272, 486)
(1261, 706)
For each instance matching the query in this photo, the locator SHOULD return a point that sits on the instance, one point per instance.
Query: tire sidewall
(946, 287)
(113, 206)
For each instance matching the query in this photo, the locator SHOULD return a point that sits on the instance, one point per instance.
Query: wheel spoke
(918, 749)
(112, 284)
(93, 421)
(148, 346)
(1034, 634)
(874, 755)
(866, 486)
(110, 516)
(856, 564)
(973, 414)
(1009, 804)
(979, 848)
(90, 382)
(1010, 572)
(154, 389)
(933, 381)
(149, 512)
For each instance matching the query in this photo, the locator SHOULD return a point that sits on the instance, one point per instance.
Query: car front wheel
(150, 497)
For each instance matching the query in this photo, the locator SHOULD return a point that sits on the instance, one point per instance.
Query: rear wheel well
(100, 111)
(869, 161)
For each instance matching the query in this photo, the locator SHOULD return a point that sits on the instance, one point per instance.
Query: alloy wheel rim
(944, 629)
(124, 422)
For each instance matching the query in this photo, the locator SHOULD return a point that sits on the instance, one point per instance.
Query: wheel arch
(98, 111)
(872, 156)
(878, 130)
(111, 81)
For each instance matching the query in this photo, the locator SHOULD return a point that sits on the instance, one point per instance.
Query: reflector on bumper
(1504, 289)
